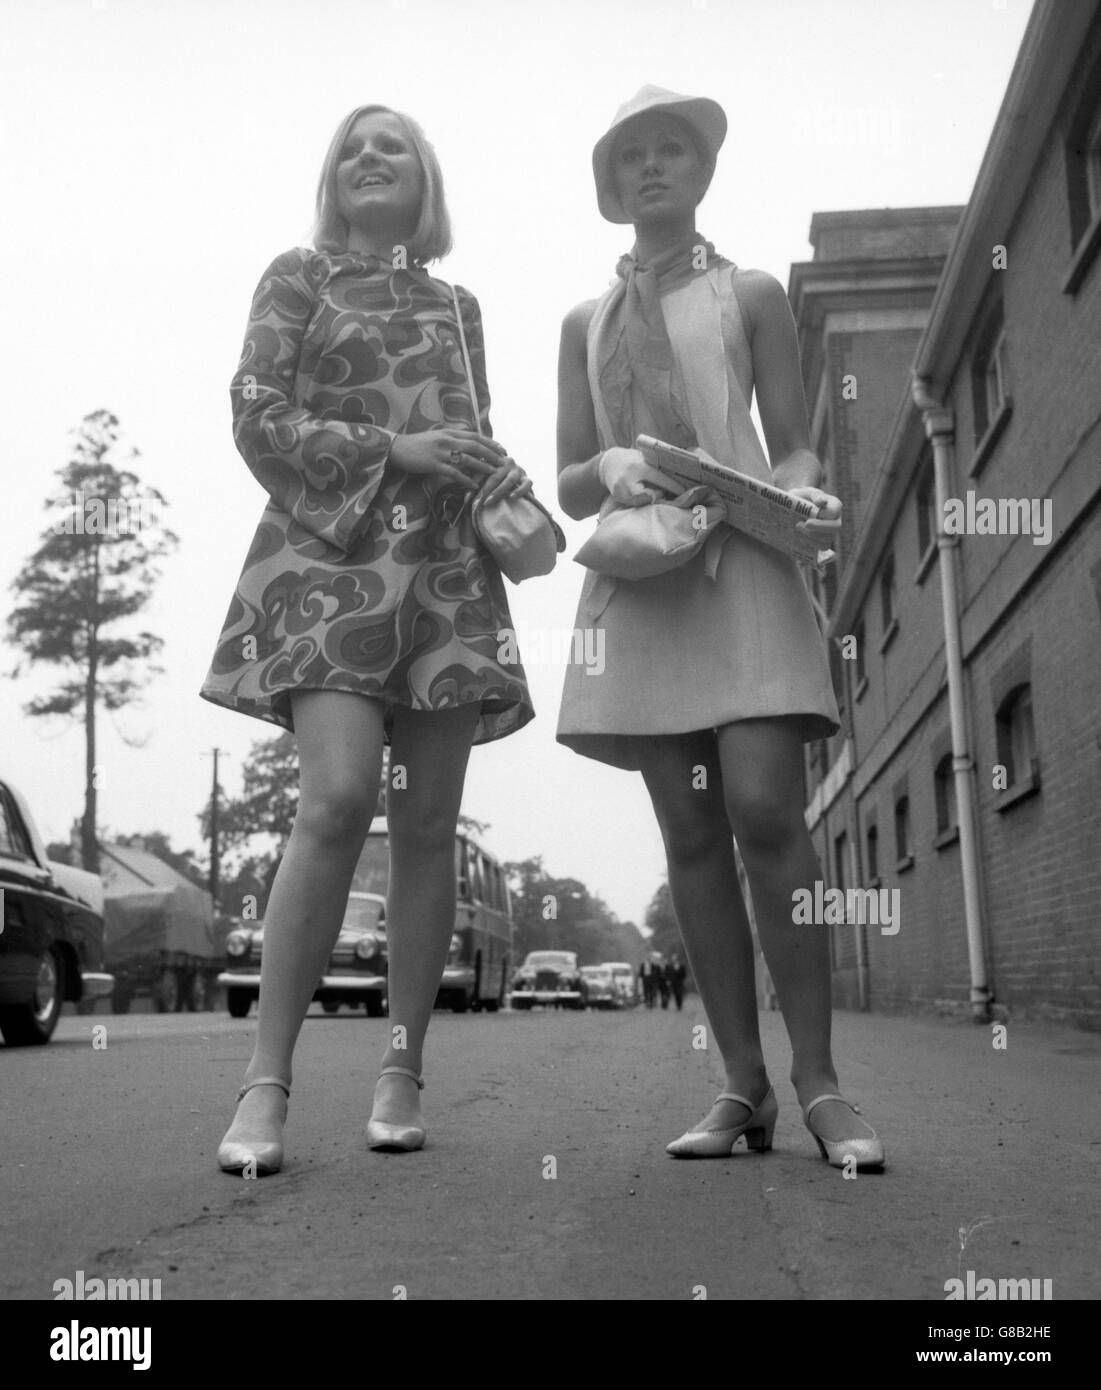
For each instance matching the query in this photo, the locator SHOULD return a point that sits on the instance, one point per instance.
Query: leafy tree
(267, 806)
(560, 914)
(269, 796)
(94, 568)
(661, 922)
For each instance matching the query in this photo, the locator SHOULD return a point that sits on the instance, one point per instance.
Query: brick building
(946, 352)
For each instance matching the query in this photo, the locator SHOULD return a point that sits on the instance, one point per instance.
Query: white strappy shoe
(719, 1143)
(260, 1156)
(866, 1149)
(404, 1138)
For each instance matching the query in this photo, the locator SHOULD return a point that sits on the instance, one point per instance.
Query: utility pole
(214, 850)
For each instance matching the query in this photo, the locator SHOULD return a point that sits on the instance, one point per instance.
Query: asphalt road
(107, 1165)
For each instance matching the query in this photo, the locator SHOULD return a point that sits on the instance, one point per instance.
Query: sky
(156, 155)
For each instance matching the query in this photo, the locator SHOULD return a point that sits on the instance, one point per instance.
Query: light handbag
(640, 542)
(519, 533)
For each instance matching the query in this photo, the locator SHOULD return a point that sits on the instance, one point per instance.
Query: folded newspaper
(760, 510)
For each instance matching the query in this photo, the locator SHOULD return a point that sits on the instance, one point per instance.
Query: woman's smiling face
(659, 174)
(379, 178)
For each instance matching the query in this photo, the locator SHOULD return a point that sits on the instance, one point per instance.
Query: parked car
(51, 944)
(357, 967)
(598, 987)
(548, 977)
(623, 976)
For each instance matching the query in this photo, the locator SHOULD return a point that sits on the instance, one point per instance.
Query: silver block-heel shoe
(719, 1143)
(404, 1138)
(866, 1149)
(263, 1156)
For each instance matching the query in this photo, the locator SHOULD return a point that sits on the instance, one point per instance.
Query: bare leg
(683, 777)
(433, 748)
(762, 777)
(340, 739)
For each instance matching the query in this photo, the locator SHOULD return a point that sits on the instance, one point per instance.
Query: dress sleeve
(323, 473)
(475, 341)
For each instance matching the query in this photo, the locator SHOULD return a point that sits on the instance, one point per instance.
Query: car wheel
(198, 996)
(120, 1001)
(375, 1006)
(238, 1001)
(330, 1006)
(32, 1023)
(460, 1002)
(491, 1005)
(166, 996)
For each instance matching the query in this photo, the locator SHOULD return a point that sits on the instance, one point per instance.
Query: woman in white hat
(367, 611)
(715, 672)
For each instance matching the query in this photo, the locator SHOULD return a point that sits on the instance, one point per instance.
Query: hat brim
(706, 117)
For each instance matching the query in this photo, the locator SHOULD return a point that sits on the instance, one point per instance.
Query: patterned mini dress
(361, 577)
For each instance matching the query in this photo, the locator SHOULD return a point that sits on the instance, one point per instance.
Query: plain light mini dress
(683, 651)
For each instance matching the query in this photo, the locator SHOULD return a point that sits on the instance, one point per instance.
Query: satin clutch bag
(521, 535)
(640, 542)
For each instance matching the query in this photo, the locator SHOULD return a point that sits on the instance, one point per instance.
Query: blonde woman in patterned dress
(366, 612)
(715, 672)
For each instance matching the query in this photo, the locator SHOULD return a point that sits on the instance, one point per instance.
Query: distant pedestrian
(646, 975)
(661, 979)
(675, 973)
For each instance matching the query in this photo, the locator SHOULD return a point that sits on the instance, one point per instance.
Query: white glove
(630, 479)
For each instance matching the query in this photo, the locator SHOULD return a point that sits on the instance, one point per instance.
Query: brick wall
(1027, 608)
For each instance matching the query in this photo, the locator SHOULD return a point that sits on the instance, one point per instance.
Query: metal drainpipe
(939, 423)
(861, 937)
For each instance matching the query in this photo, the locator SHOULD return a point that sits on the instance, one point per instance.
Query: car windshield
(363, 913)
(537, 958)
(372, 872)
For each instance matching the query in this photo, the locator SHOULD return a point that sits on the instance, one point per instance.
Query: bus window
(477, 880)
(462, 878)
(498, 893)
(372, 872)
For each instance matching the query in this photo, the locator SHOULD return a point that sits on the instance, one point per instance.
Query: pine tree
(94, 568)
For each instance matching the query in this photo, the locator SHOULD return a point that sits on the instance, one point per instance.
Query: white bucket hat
(706, 117)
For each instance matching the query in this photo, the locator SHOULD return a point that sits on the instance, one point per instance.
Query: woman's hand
(828, 520)
(630, 479)
(507, 480)
(459, 456)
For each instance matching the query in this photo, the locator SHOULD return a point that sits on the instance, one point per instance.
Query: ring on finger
(456, 456)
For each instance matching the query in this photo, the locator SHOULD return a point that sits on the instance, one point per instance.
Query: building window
(988, 374)
(829, 587)
(1083, 159)
(871, 839)
(944, 794)
(903, 854)
(861, 666)
(926, 501)
(1016, 737)
(887, 602)
(840, 867)
(1092, 160)
(837, 676)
